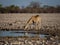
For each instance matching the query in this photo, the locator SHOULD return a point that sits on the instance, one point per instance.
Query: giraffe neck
(28, 22)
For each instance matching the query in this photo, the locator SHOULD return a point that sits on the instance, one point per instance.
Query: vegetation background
(33, 7)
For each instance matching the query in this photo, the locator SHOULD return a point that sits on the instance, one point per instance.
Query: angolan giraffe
(34, 20)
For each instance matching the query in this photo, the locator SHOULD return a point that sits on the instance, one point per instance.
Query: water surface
(19, 33)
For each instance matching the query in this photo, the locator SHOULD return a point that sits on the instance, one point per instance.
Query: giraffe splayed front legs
(34, 20)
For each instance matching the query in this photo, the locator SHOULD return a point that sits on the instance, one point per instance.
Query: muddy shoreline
(41, 31)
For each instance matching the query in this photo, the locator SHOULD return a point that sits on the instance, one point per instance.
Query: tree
(2, 9)
(49, 9)
(58, 8)
(12, 9)
(34, 4)
(33, 7)
(0, 5)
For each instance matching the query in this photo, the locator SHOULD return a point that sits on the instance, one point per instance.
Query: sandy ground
(29, 41)
(17, 20)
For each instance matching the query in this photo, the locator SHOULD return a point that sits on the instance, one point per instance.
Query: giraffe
(35, 20)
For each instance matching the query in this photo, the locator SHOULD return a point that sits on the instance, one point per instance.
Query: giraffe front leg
(29, 27)
(36, 26)
(39, 24)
